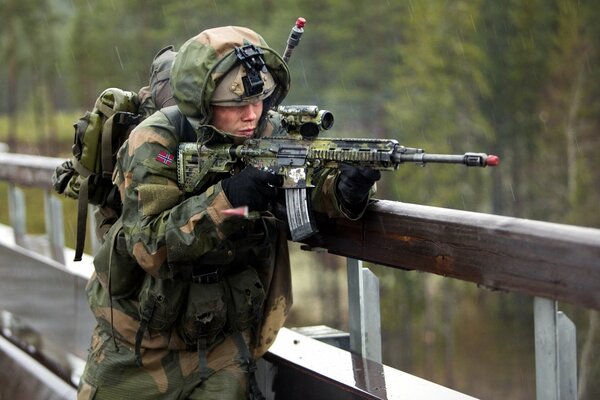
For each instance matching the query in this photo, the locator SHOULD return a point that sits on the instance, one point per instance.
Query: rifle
(294, 151)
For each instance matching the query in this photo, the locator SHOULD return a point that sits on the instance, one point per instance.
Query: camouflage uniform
(195, 295)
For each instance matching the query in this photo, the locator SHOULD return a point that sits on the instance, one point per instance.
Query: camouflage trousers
(112, 373)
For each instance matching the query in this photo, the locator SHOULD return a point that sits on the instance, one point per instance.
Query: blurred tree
(9, 12)
(437, 86)
(93, 37)
(351, 47)
(519, 39)
(44, 56)
(19, 17)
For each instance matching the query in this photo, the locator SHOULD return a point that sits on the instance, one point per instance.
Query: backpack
(99, 133)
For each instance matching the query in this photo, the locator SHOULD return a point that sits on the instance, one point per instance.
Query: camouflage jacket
(168, 233)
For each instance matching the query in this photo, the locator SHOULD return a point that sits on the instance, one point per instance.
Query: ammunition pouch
(247, 296)
(211, 300)
(205, 313)
(160, 302)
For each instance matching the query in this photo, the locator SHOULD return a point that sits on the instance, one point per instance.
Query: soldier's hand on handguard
(354, 183)
(253, 188)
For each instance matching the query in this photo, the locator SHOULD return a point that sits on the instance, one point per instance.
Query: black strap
(203, 358)
(255, 393)
(116, 129)
(82, 208)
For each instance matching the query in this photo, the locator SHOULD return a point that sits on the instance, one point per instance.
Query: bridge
(43, 345)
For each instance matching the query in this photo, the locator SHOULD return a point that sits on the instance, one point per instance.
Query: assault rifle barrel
(468, 159)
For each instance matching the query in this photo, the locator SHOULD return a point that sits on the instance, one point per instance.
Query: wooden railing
(542, 259)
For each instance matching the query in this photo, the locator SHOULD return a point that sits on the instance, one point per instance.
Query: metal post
(555, 352)
(364, 313)
(54, 227)
(16, 206)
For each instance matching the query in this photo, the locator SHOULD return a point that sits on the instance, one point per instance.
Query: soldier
(186, 296)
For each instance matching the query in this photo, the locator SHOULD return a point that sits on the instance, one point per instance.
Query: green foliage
(437, 88)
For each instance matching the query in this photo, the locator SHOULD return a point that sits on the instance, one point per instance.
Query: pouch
(247, 297)
(117, 271)
(161, 301)
(205, 313)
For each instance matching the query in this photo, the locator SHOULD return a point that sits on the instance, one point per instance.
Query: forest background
(517, 78)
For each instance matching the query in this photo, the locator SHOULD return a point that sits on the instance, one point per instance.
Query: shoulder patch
(165, 158)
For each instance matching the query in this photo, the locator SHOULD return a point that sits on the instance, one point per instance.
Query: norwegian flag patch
(165, 158)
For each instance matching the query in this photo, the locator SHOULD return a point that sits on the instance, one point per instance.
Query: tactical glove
(354, 184)
(253, 188)
(61, 176)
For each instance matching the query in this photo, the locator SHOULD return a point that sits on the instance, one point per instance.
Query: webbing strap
(163, 75)
(113, 239)
(146, 315)
(82, 209)
(115, 128)
(107, 146)
(255, 393)
(202, 358)
(104, 109)
(81, 170)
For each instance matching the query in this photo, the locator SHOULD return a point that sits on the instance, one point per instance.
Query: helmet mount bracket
(251, 58)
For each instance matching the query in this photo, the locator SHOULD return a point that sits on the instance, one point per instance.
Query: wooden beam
(542, 259)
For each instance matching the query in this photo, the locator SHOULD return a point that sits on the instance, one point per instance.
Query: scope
(308, 121)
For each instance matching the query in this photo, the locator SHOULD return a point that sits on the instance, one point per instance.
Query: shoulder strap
(82, 205)
(184, 129)
(116, 129)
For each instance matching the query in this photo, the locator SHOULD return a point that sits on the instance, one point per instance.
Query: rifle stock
(295, 157)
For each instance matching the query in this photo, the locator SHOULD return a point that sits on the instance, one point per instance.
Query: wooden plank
(543, 259)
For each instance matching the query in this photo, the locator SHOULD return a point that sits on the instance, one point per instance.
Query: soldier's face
(240, 121)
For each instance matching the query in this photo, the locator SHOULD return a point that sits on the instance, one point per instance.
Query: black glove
(354, 183)
(253, 188)
(61, 176)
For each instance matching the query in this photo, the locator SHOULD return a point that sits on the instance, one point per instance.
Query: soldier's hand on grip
(253, 188)
(354, 183)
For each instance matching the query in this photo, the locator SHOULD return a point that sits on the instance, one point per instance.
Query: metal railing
(548, 261)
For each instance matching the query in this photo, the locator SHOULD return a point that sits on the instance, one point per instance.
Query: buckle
(208, 277)
(127, 118)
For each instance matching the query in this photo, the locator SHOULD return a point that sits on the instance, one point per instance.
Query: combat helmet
(227, 66)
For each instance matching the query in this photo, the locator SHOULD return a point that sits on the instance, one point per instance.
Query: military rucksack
(99, 134)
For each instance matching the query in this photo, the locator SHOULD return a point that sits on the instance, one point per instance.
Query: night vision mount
(251, 58)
